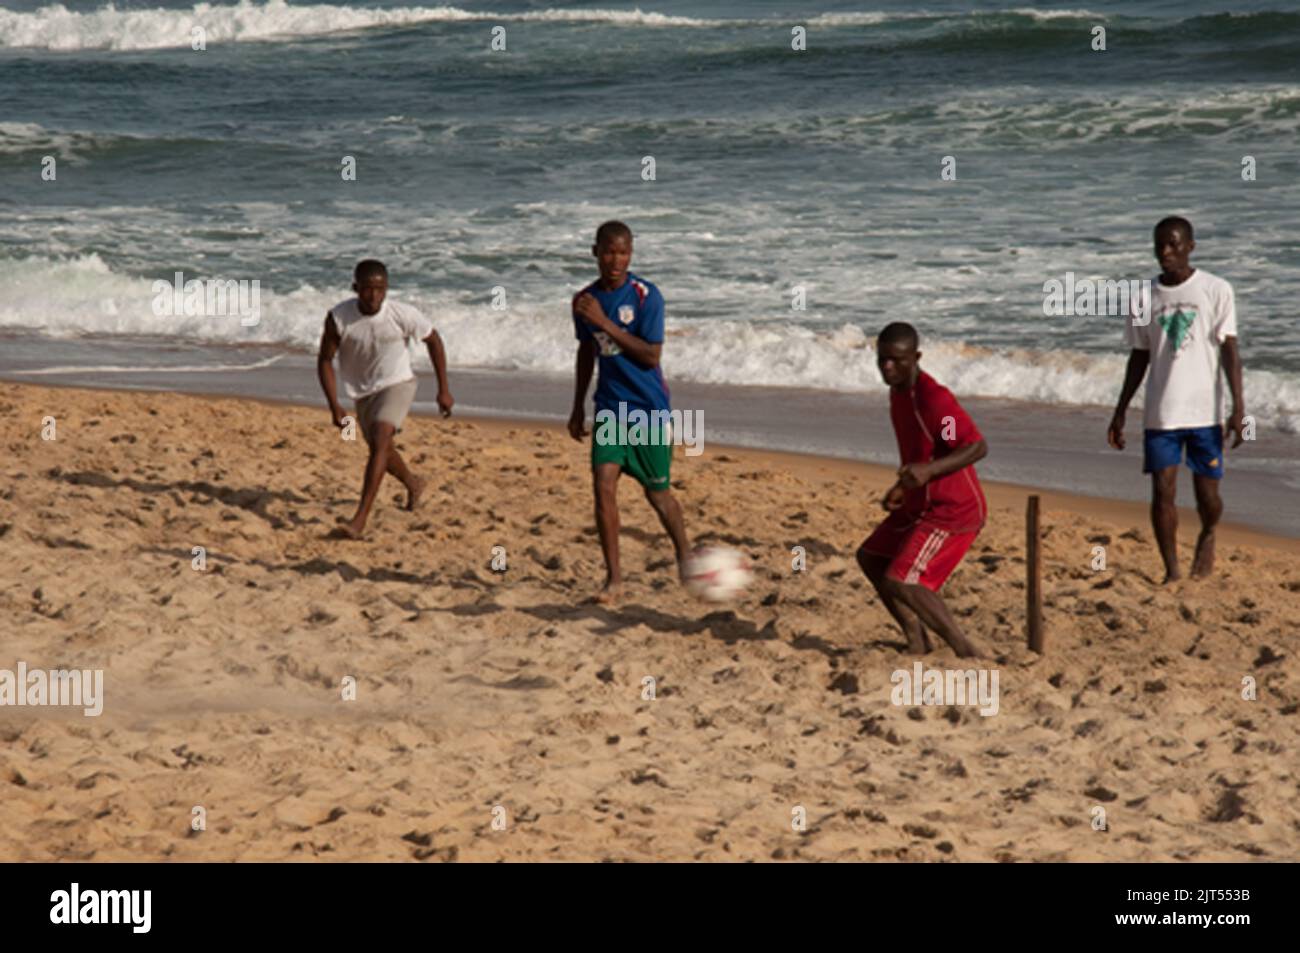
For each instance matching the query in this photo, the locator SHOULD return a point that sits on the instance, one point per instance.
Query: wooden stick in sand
(1033, 581)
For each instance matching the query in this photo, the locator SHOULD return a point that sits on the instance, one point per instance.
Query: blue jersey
(638, 308)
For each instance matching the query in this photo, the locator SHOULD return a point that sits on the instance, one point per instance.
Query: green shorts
(644, 452)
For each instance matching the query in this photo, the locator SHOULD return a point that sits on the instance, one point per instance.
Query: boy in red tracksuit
(936, 508)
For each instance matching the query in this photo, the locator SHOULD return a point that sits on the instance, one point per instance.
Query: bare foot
(350, 530)
(1173, 575)
(1203, 562)
(610, 595)
(414, 492)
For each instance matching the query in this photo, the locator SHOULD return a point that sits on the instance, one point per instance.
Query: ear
(595, 251)
(917, 359)
(1191, 246)
(355, 288)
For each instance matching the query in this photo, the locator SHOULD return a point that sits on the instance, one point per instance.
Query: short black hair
(367, 269)
(1175, 221)
(899, 332)
(612, 229)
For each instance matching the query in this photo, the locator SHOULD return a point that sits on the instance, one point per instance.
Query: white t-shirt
(1187, 324)
(372, 351)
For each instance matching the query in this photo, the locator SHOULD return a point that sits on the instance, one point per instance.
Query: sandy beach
(498, 717)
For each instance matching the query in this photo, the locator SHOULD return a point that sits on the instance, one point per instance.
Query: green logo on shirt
(1176, 325)
(607, 346)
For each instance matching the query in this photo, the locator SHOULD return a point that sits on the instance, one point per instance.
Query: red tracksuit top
(929, 425)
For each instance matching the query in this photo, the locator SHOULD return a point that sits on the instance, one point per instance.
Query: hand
(589, 309)
(578, 424)
(1233, 426)
(1115, 433)
(338, 415)
(914, 475)
(893, 498)
(445, 401)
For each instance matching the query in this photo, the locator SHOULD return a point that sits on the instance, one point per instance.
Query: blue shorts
(1164, 448)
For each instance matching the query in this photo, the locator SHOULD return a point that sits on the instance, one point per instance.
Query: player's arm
(583, 369)
(640, 350)
(893, 497)
(438, 355)
(913, 475)
(1230, 357)
(961, 457)
(966, 443)
(329, 346)
(1138, 360)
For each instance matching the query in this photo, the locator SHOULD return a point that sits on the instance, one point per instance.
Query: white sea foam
(1003, 115)
(20, 137)
(58, 28)
(55, 27)
(137, 369)
(84, 296)
(872, 19)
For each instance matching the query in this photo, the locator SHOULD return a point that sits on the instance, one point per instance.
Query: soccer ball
(718, 573)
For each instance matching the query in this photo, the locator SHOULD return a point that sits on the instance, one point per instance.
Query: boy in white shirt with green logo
(1186, 332)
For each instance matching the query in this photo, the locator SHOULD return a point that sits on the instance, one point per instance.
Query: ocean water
(774, 169)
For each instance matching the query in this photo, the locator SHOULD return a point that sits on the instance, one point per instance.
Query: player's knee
(606, 491)
(661, 500)
(870, 565)
(895, 587)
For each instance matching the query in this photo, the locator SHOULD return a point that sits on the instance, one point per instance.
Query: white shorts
(390, 406)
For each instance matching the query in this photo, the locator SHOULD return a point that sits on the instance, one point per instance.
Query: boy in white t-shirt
(1187, 334)
(369, 335)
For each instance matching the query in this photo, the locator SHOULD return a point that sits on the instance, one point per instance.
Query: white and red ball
(718, 573)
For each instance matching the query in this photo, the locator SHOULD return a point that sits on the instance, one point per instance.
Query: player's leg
(933, 611)
(393, 405)
(650, 461)
(1162, 451)
(669, 512)
(609, 453)
(414, 485)
(381, 439)
(874, 567)
(1210, 507)
(1205, 457)
(923, 562)
(605, 483)
(1164, 518)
